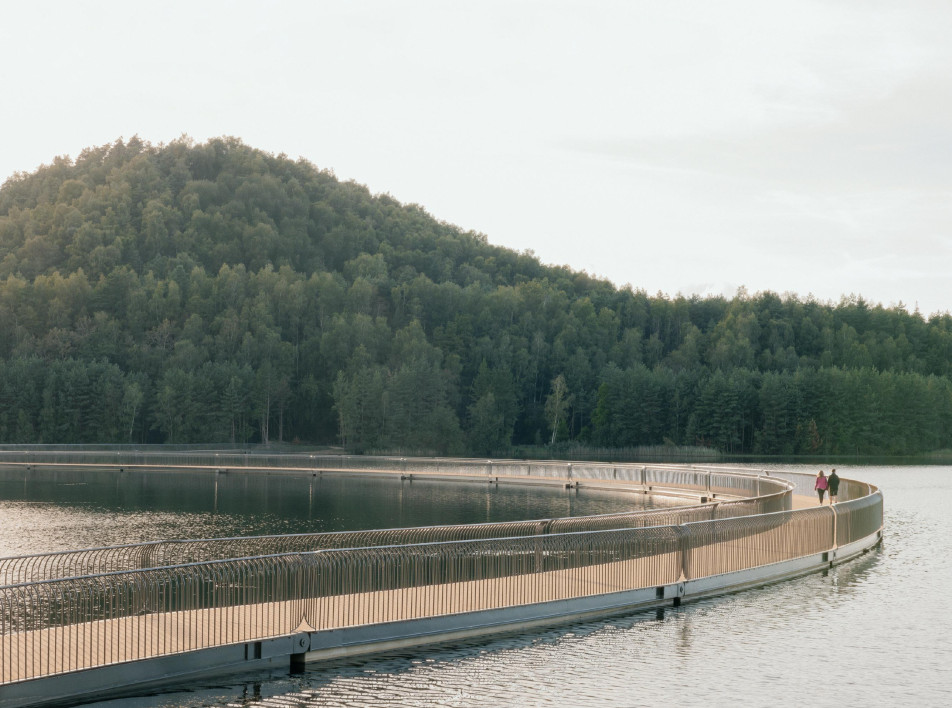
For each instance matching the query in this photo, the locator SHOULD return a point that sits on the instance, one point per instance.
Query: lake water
(52, 510)
(874, 631)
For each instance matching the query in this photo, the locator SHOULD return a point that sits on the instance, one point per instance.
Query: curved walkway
(232, 613)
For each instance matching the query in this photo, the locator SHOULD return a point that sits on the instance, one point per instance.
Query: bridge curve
(100, 622)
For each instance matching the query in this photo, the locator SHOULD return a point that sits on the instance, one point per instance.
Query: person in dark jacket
(833, 485)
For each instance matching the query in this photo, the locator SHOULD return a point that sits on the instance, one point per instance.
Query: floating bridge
(104, 622)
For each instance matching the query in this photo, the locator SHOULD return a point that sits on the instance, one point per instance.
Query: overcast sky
(679, 146)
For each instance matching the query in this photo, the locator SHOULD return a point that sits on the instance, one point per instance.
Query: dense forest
(216, 293)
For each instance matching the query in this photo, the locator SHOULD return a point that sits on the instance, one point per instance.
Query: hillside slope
(212, 292)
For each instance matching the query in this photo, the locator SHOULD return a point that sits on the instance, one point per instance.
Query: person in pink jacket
(821, 484)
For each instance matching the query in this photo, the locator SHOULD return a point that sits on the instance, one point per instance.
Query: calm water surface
(53, 510)
(874, 632)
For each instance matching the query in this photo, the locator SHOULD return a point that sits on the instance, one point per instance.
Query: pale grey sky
(680, 146)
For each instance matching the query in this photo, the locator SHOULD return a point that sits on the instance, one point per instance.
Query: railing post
(682, 534)
(836, 520)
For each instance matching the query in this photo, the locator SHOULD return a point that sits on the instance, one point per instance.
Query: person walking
(821, 484)
(833, 485)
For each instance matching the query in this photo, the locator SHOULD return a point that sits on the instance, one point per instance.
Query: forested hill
(214, 293)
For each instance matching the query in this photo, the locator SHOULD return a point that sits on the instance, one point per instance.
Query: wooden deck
(70, 648)
(801, 501)
(43, 652)
(52, 651)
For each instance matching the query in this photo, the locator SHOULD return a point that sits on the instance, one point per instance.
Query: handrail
(66, 624)
(156, 554)
(231, 460)
(659, 478)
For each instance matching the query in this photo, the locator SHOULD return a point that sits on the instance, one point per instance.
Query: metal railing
(64, 624)
(859, 518)
(689, 478)
(155, 554)
(763, 494)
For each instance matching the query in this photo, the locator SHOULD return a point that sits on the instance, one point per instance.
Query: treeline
(214, 293)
